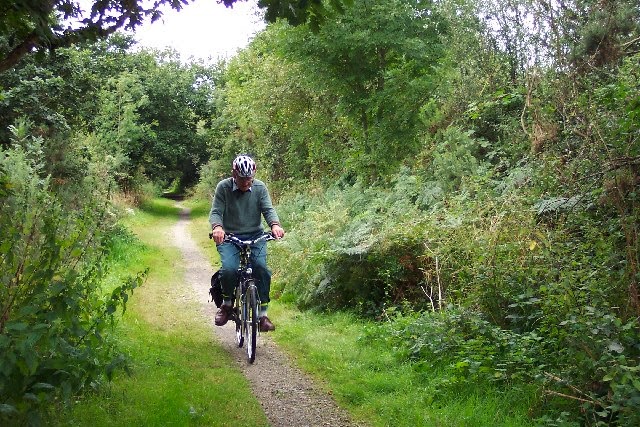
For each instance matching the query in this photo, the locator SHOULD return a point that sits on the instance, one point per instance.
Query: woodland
(466, 173)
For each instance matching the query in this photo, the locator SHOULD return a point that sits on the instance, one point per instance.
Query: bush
(210, 174)
(526, 287)
(53, 310)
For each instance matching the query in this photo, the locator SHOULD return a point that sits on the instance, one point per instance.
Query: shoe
(223, 314)
(266, 325)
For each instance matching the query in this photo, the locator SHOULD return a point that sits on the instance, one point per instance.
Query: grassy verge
(367, 378)
(199, 228)
(179, 374)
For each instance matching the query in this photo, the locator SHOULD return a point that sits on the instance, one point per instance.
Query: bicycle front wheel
(252, 320)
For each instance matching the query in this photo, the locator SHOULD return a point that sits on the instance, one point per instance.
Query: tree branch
(28, 44)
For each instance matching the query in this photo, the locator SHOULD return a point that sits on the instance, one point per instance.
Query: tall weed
(54, 314)
(525, 287)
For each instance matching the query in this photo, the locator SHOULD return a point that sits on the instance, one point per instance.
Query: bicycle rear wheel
(252, 320)
(238, 317)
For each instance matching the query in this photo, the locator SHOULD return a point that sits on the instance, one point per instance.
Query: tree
(282, 113)
(57, 92)
(352, 92)
(177, 110)
(41, 25)
(298, 12)
(379, 60)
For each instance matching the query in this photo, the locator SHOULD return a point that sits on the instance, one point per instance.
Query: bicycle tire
(252, 320)
(238, 316)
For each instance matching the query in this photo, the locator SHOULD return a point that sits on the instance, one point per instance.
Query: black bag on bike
(216, 289)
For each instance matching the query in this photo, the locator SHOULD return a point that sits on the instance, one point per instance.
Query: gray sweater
(240, 213)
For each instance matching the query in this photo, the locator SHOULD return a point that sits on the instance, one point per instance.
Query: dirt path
(289, 398)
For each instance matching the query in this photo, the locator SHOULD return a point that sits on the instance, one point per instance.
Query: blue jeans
(230, 259)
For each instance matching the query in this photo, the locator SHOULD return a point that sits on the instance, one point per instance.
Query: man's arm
(216, 214)
(270, 215)
(277, 231)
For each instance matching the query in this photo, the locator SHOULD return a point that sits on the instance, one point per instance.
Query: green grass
(199, 228)
(368, 379)
(179, 374)
(365, 376)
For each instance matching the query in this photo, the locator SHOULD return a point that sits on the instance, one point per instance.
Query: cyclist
(238, 206)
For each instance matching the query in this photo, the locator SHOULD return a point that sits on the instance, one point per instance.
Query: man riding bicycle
(238, 206)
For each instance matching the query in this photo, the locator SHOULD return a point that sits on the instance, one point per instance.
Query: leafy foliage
(517, 232)
(466, 171)
(53, 311)
(42, 26)
(122, 101)
(350, 93)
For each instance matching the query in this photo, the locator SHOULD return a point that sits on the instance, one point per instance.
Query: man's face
(244, 184)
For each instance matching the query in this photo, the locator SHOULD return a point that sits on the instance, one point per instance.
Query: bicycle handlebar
(239, 242)
(233, 239)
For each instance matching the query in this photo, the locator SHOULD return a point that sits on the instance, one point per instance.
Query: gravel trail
(287, 395)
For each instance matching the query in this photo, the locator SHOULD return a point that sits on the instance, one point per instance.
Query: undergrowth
(56, 311)
(515, 285)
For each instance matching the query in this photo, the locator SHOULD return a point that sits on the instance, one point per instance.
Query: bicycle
(246, 301)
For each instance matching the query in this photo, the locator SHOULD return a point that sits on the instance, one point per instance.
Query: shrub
(53, 310)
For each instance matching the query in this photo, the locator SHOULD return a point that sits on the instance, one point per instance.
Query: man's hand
(218, 235)
(277, 231)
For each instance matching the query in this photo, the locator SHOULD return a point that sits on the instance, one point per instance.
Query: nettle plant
(54, 313)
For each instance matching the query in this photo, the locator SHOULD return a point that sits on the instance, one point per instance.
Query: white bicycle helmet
(244, 166)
